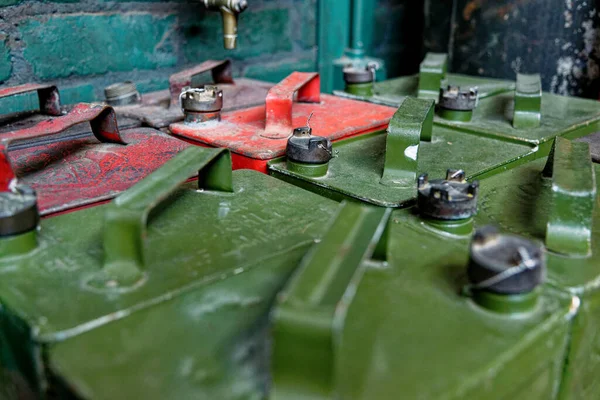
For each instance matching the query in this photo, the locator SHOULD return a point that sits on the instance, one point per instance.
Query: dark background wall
(557, 38)
(85, 45)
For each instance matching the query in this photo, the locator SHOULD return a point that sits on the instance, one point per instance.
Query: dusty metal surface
(365, 303)
(159, 109)
(74, 172)
(259, 134)
(537, 205)
(23, 120)
(212, 262)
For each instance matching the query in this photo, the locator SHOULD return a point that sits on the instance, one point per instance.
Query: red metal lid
(80, 171)
(262, 132)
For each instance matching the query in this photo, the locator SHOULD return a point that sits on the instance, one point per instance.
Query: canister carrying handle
(101, 118)
(125, 219)
(48, 96)
(221, 73)
(278, 108)
(411, 124)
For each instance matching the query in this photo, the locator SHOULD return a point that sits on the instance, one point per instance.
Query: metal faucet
(229, 11)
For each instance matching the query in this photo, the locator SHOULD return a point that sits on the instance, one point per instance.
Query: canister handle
(528, 101)
(411, 124)
(312, 307)
(125, 218)
(432, 72)
(571, 216)
(221, 73)
(101, 118)
(278, 108)
(48, 96)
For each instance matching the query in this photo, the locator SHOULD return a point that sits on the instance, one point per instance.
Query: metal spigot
(229, 11)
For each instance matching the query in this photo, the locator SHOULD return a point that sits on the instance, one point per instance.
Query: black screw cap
(505, 264)
(18, 211)
(304, 148)
(454, 98)
(452, 198)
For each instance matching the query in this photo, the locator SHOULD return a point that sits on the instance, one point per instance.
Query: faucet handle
(229, 12)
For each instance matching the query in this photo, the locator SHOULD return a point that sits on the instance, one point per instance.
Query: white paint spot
(411, 152)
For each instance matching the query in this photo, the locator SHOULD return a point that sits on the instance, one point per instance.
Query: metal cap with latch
(449, 199)
(201, 104)
(354, 74)
(457, 104)
(122, 94)
(504, 264)
(308, 154)
(18, 211)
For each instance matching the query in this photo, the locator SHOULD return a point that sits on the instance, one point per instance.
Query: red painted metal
(258, 134)
(48, 96)
(278, 118)
(80, 171)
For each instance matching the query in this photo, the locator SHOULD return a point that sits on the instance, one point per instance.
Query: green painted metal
(392, 92)
(528, 101)
(522, 201)
(406, 329)
(195, 325)
(455, 115)
(304, 324)
(570, 117)
(313, 170)
(569, 228)
(513, 304)
(360, 89)
(19, 244)
(355, 173)
(411, 124)
(125, 218)
(461, 227)
(501, 105)
(431, 75)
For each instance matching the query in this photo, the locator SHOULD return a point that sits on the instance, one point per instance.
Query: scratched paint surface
(83, 171)
(357, 169)
(408, 328)
(557, 38)
(196, 240)
(240, 131)
(530, 203)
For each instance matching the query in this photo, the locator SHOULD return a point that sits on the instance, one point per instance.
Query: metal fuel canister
(170, 283)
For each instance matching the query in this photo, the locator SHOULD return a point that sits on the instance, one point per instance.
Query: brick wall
(85, 45)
